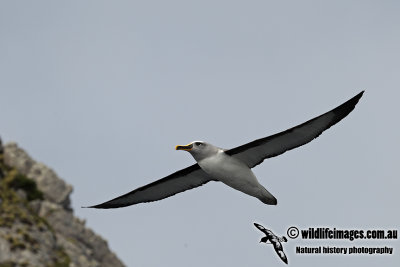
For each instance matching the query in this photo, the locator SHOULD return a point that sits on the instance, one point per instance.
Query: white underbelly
(232, 172)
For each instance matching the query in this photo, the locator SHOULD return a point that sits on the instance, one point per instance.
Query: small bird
(233, 166)
(274, 240)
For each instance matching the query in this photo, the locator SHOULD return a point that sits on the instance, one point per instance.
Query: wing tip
(359, 95)
(354, 100)
(259, 227)
(93, 207)
(344, 109)
(104, 205)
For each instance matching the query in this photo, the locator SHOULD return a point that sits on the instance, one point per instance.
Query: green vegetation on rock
(28, 185)
(63, 259)
(37, 226)
(12, 207)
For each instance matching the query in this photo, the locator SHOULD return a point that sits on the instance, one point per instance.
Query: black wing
(255, 152)
(281, 255)
(261, 228)
(177, 182)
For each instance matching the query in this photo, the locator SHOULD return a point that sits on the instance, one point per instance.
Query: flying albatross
(233, 166)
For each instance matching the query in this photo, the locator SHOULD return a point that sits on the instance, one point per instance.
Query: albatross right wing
(255, 152)
(177, 182)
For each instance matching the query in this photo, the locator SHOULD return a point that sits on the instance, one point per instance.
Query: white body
(236, 174)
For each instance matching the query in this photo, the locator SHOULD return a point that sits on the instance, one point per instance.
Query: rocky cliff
(37, 225)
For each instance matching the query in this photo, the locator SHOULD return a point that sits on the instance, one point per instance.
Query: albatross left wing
(255, 152)
(175, 183)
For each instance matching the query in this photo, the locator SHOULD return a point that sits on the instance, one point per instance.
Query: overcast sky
(102, 91)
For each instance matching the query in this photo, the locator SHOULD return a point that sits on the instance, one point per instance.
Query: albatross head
(199, 149)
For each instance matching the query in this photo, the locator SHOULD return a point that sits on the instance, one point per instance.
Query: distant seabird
(233, 166)
(274, 240)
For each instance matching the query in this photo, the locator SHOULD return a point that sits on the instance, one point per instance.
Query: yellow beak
(186, 148)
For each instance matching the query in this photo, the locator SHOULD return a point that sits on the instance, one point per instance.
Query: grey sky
(102, 91)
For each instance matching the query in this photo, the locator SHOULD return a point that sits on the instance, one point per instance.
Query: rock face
(37, 225)
(54, 189)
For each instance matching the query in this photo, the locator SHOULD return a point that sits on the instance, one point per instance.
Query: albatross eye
(198, 144)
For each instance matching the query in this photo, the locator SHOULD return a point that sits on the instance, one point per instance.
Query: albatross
(233, 166)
